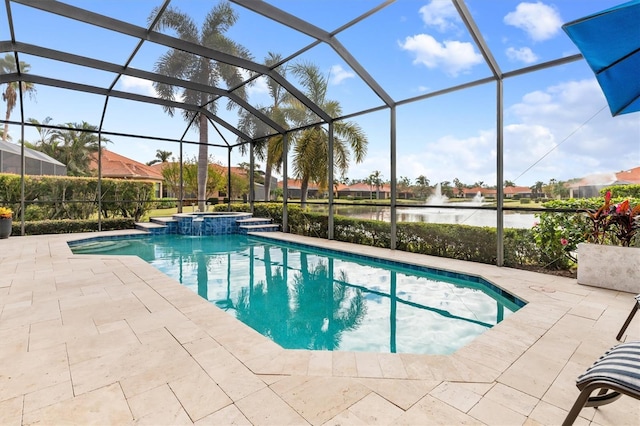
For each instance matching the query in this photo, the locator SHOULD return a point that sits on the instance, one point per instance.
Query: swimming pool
(303, 297)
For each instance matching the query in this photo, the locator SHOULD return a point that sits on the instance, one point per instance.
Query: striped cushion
(620, 365)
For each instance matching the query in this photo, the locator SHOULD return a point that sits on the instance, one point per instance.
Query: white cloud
(339, 74)
(454, 57)
(137, 85)
(259, 86)
(552, 133)
(440, 14)
(540, 21)
(524, 54)
(562, 127)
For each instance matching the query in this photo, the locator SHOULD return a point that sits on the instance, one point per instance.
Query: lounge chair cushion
(619, 365)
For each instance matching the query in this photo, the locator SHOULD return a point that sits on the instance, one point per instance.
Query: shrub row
(66, 197)
(68, 226)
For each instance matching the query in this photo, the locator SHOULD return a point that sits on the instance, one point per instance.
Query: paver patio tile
(321, 398)
(296, 362)
(623, 412)
(375, 410)
(403, 393)
(457, 396)
(320, 363)
(279, 413)
(392, 366)
(432, 411)
(51, 333)
(199, 395)
(368, 365)
(517, 401)
(32, 371)
(494, 413)
(418, 367)
(26, 315)
(48, 396)
(548, 414)
(11, 411)
(344, 364)
(563, 391)
(86, 409)
(229, 416)
(13, 340)
(235, 379)
(201, 345)
(533, 373)
(158, 406)
(95, 346)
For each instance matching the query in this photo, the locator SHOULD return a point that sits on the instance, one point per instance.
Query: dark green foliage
(623, 191)
(68, 226)
(471, 243)
(166, 203)
(64, 197)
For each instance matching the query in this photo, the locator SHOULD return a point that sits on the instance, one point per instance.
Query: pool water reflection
(304, 298)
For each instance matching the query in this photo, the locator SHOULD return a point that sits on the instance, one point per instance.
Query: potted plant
(6, 220)
(608, 258)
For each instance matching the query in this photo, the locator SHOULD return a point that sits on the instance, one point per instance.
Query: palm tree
(75, 146)
(161, 157)
(311, 145)
(404, 184)
(422, 183)
(179, 64)
(48, 142)
(376, 180)
(269, 150)
(10, 93)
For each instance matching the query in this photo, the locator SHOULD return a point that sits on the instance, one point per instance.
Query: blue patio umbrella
(610, 43)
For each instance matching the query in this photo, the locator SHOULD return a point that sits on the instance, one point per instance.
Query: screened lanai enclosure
(415, 111)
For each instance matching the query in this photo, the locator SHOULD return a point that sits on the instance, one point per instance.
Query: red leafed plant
(614, 223)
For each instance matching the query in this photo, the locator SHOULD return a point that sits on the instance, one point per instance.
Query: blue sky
(556, 123)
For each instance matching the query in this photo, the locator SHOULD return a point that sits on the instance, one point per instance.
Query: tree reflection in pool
(306, 298)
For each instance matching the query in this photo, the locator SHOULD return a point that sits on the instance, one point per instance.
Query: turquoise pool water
(307, 298)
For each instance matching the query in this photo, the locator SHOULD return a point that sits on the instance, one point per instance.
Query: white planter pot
(612, 267)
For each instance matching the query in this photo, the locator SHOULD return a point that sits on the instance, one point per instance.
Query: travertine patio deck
(111, 340)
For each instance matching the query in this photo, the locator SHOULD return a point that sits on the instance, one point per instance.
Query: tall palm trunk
(304, 186)
(203, 164)
(267, 181)
(5, 132)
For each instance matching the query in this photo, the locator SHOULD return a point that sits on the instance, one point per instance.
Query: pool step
(152, 228)
(266, 227)
(254, 221)
(169, 225)
(163, 220)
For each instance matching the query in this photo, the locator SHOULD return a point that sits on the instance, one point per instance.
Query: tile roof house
(590, 186)
(118, 166)
(222, 169)
(364, 190)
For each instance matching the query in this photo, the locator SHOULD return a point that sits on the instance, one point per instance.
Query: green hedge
(65, 197)
(470, 243)
(67, 226)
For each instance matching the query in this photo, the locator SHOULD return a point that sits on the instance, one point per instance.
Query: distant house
(36, 163)
(590, 186)
(364, 190)
(294, 189)
(222, 169)
(517, 192)
(472, 192)
(117, 166)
